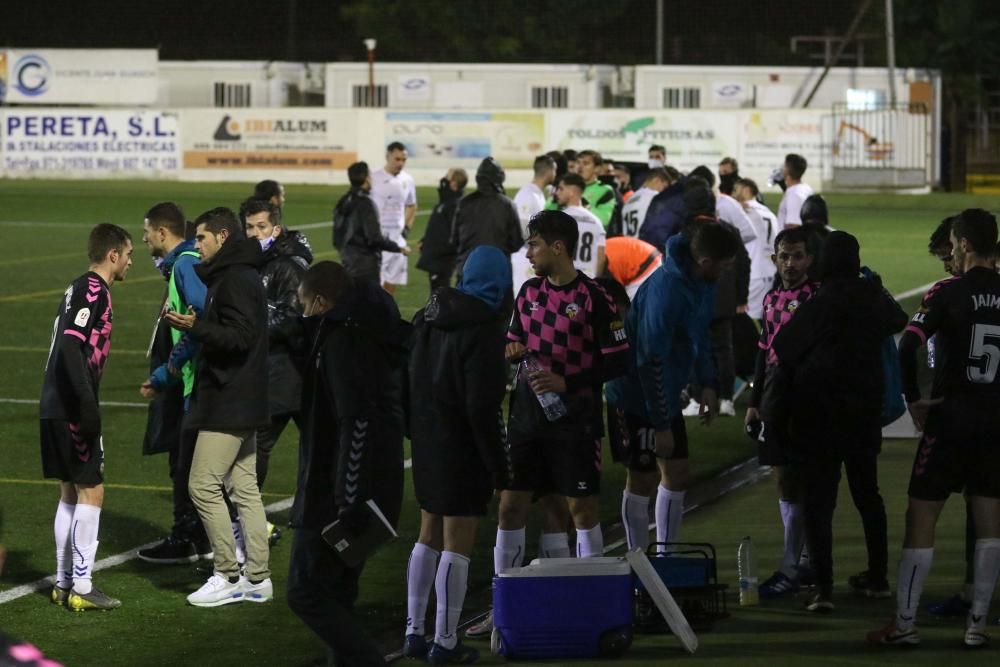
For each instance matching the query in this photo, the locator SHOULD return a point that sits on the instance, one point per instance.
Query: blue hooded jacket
(486, 275)
(668, 329)
(665, 217)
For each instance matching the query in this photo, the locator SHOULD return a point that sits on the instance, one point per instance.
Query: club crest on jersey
(792, 306)
(82, 317)
(533, 307)
(572, 310)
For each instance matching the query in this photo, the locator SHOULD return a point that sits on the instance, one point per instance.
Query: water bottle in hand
(550, 401)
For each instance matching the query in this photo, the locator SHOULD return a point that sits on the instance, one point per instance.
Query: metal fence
(886, 146)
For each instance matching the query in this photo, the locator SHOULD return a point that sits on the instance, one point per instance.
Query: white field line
(124, 557)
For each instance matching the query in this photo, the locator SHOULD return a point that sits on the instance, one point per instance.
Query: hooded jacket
(457, 375)
(668, 326)
(733, 288)
(830, 353)
(351, 441)
(665, 216)
(363, 243)
(437, 253)
(231, 392)
(486, 216)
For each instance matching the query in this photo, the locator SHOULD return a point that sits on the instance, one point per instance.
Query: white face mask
(654, 164)
(266, 243)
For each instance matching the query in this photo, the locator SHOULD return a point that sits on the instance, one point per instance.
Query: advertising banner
(117, 77)
(82, 143)
(768, 136)
(455, 139)
(269, 139)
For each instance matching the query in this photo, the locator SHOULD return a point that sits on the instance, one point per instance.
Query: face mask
(443, 185)
(266, 243)
(654, 164)
(158, 262)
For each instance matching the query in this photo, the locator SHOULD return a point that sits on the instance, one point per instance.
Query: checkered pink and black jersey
(779, 306)
(84, 315)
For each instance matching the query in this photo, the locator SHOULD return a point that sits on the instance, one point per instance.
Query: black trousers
(820, 479)
(321, 592)
(441, 279)
(267, 437)
(187, 523)
(721, 331)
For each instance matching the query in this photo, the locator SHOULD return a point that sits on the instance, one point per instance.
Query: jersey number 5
(980, 349)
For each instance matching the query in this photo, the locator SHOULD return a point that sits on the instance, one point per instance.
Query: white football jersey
(731, 211)
(392, 194)
(529, 200)
(790, 209)
(592, 236)
(766, 225)
(634, 211)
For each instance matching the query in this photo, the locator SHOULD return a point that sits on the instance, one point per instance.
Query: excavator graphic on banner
(874, 150)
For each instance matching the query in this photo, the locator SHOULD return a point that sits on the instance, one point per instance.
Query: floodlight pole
(370, 45)
(659, 32)
(890, 50)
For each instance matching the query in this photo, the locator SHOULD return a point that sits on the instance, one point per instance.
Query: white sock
(64, 548)
(669, 510)
(987, 567)
(589, 543)
(554, 545)
(509, 550)
(86, 521)
(449, 587)
(635, 518)
(914, 566)
(241, 545)
(795, 536)
(419, 580)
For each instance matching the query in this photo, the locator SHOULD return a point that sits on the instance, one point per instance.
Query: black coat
(437, 253)
(351, 441)
(457, 377)
(230, 392)
(733, 287)
(485, 217)
(830, 355)
(285, 262)
(362, 244)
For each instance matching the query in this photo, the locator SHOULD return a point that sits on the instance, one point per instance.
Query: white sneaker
(481, 629)
(726, 408)
(216, 592)
(692, 410)
(262, 592)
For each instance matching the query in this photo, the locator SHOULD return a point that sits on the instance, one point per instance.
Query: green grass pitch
(44, 225)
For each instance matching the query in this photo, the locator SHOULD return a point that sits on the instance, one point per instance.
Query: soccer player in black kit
(960, 424)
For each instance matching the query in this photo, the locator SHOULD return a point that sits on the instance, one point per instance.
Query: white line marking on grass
(110, 404)
(329, 223)
(914, 292)
(105, 563)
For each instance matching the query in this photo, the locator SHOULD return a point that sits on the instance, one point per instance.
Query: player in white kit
(634, 210)
(395, 195)
(590, 246)
(530, 200)
(762, 266)
(796, 192)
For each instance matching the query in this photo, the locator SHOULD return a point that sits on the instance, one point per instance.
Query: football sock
(970, 546)
(509, 550)
(554, 545)
(64, 549)
(791, 517)
(86, 521)
(449, 587)
(987, 569)
(914, 566)
(589, 543)
(669, 510)
(419, 580)
(635, 518)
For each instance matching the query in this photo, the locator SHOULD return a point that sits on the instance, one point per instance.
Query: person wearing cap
(486, 216)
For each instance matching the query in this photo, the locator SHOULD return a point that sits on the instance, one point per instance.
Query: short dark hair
(253, 206)
(660, 173)
(168, 215)
(220, 218)
(796, 165)
(656, 147)
(731, 161)
(576, 180)
(593, 155)
(395, 146)
(979, 228)
(714, 240)
(267, 189)
(461, 178)
(570, 155)
(704, 172)
(542, 164)
(357, 173)
(106, 237)
(326, 279)
(561, 162)
(750, 184)
(793, 235)
(673, 173)
(941, 236)
(727, 183)
(555, 226)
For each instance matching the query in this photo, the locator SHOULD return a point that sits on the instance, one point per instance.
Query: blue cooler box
(564, 608)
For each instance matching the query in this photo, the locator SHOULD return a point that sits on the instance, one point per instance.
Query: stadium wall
(315, 144)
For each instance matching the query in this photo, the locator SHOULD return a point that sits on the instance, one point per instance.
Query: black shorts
(960, 449)
(68, 457)
(568, 467)
(772, 447)
(633, 440)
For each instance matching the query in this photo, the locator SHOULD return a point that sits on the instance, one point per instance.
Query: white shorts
(759, 287)
(394, 266)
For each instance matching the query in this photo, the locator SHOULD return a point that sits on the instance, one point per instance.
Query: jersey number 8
(586, 250)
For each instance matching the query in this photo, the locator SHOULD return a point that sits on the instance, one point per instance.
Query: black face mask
(444, 186)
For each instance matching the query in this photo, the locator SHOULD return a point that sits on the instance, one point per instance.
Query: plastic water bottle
(931, 352)
(748, 574)
(550, 401)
